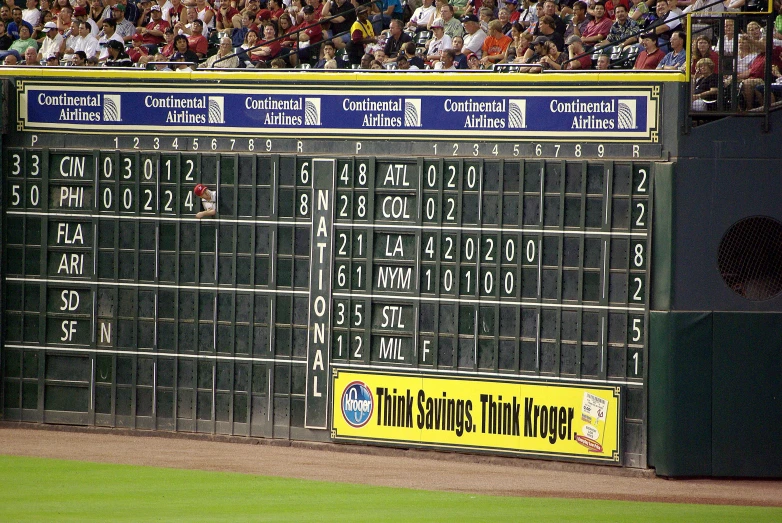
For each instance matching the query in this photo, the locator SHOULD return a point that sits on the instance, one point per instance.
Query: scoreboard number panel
(533, 267)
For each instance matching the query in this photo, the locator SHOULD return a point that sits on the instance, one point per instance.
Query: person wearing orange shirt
(495, 45)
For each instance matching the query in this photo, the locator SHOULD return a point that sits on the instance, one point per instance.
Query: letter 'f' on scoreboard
(319, 331)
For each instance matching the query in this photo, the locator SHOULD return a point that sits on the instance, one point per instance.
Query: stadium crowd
(520, 35)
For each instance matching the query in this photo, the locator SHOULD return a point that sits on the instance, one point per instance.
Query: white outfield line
(482, 301)
(152, 352)
(424, 370)
(162, 218)
(254, 290)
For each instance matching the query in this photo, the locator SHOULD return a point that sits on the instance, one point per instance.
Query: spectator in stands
(17, 22)
(340, 25)
(396, 39)
(80, 14)
(51, 43)
(31, 57)
(706, 84)
(109, 32)
(79, 59)
(96, 11)
(754, 76)
(125, 28)
(389, 10)
(640, 12)
(21, 44)
(329, 53)
(185, 26)
(137, 51)
(83, 41)
(459, 58)
(269, 48)
(145, 14)
(5, 14)
(460, 7)
(495, 46)
(168, 48)
(503, 15)
(513, 11)
(535, 52)
(676, 59)
(366, 61)
(603, 62)
(117, 56)
(578, 59)
(6, 40)
(474, 37)
(624, 29)
(153, 33)
(552, 58)
(673, 6)
(755, 33)
(181, 47)
(701, 48)
(245, 24)
(546, 27)
(446, 62)
(309, 38)
(206, 14)
(665, 25)
(550, 9)
(598, 28)
(219, 59)
(651, 54)
(250, 41)
(422, 17)
(409, 52)
(473, 62)
(32, 15)
(579, 21)
(224, 20)
(453, 27)
(197, 42)
(439, 42)
(10, 60)
(484, 17)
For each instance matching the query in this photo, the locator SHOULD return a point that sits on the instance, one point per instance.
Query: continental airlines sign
(525, 418)
(629, 113)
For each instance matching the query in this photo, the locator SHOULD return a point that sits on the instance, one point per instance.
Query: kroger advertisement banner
(628, 114)
(529, 418)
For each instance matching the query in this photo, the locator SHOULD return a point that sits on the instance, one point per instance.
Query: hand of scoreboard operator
(204, 214)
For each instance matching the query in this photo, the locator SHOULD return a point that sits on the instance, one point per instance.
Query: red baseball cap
(199, 189)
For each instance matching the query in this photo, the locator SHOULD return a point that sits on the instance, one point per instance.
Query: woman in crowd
(701, 48)
(180, 46)
(705, 84)
(250, 41)
(168, 49)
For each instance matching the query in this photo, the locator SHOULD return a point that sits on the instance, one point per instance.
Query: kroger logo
(357, 404)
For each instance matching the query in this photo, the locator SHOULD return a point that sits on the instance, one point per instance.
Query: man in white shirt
(474, 37)
(422, 16)
(108, 33)
(32, 14)
(84, 42)
(51, 43)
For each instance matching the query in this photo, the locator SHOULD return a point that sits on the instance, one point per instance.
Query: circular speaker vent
(750, 258)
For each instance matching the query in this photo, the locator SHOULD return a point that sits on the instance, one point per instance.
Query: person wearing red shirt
(197, 42)
(611, 5)
(308, 37)
(225, 17)
(268, 51)
(651, 55)
(598, 28)
(154, 31)
(138, 50)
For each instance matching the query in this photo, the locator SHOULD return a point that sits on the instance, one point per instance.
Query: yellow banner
(529, 418)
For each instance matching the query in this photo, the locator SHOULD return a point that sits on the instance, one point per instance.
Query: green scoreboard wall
(524, 259)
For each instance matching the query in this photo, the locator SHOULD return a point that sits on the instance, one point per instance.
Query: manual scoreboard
(140, 314)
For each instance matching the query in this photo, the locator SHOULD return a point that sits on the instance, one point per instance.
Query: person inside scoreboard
(208, 200)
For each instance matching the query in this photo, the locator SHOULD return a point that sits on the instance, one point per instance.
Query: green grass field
(35, 489)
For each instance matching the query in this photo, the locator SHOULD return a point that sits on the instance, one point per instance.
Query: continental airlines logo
(517, 114)
(112, 108)
(216, 109)
(312, 111)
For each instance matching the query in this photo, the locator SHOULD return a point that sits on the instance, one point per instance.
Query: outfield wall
(378, 271)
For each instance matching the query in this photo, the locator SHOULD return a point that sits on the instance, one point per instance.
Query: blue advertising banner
(629, 114)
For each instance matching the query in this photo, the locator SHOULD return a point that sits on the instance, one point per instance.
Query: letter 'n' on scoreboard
(319, 325)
